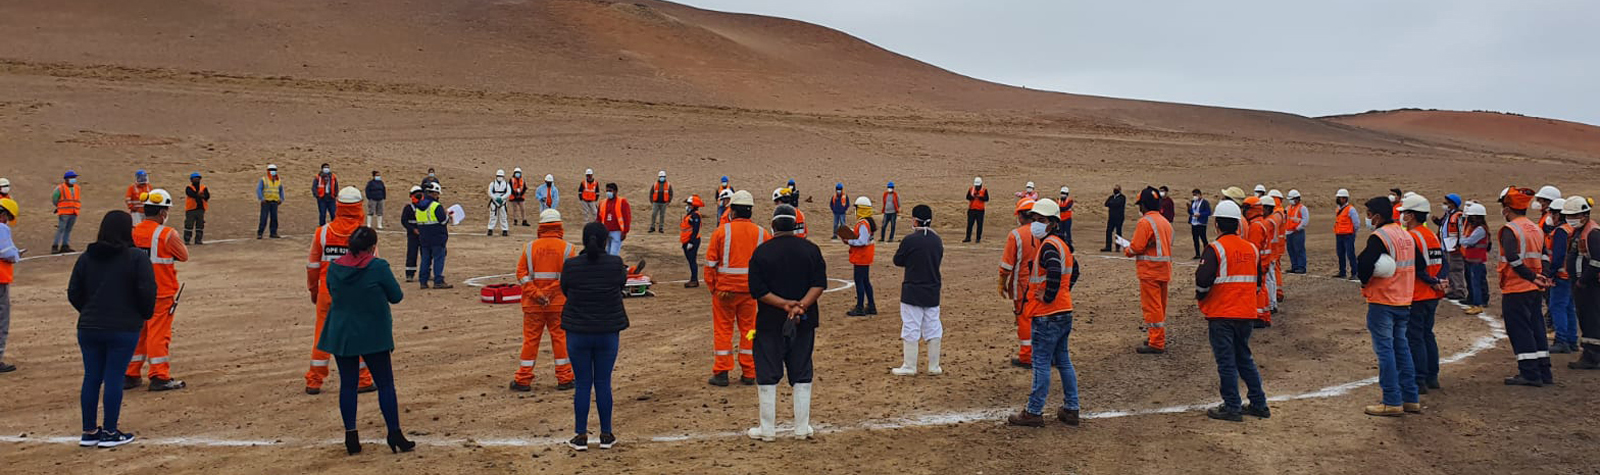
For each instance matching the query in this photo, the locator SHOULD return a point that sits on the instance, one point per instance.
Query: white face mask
(272, 173)
(325, 170)
(377, 178)
(5, 189)
(1574, 222)
(1393, 198)
(610, 195)
(1369, 222)
(1163, 194)
(1038, 229)
(430, 174)
(72, 181)
(661, 179)
(516, 175)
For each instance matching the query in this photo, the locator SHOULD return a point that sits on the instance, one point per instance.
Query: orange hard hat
(1024, 205)
(694, 200)
(1252, 202)
(1516, 198)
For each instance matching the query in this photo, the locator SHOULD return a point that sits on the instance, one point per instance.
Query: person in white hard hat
(519, 195)
(165, 247)
(408, 222)
(1050, 279)
(1583, 262)
(1299, 217)
(1066, 203)
(329, 243)
(1432, 282)
(269, 192)
(548, 196)
(1225, 286)
(861, 254)
(1346, 221)
(1549, 216)
(539, 275)
(589, 196)
(1028, 193)
(660, 196)
(1388, 269)
(1475, 244)
(1563, 317)
(433, 235)
(977, 200)
(1261, 190)
(724, 197)
(5, 188)
(499, 196)
(727, 272)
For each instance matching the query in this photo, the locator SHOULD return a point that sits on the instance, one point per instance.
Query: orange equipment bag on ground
(502, 293)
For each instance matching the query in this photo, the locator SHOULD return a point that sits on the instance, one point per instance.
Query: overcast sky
(1534, 57)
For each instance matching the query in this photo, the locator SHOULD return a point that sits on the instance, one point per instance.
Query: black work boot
(719, 379)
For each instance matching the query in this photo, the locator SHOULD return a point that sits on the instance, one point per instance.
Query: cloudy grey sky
(1535, 57)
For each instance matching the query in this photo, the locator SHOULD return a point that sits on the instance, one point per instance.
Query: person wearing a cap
(1389, 293)
(197, 199)
(689, 238)
(548, 196)
(1475, 245)
(839, 204)
(861, 256)
(1151, 249)
(68, 201)
(1345, 224)
(9, 255)
(921, 253)
(589, 196)
(519, 195)
(727, 271)
(1116, 205)
(891, 213)
(499, 196)
(660, 197)
(325, 188)
(1450, 224)
(617, 215)
(330, 242)
(1199, 215)
(1015, 262)
(1225, 286)
(376, 194)
(135, 194)
(1583, 262)
(1432, 282)
(408, 222)
(433, 235)
(165, 249)
(787, 277)
(1299, 217)
(977, 200)
(1561, 313)
(1051, 275)
(1521, 283)
(539, 274)
(1066, 203)
(269, 192)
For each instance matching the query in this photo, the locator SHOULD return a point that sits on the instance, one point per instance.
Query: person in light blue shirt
(8, 255)
(548, 196)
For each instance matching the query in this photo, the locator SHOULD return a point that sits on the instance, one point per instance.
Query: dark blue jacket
(838, 206)
(375, 190)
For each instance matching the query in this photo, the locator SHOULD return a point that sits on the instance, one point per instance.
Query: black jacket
(1116, 204)
(376, 191)
(112, 289)
(594, 295)
(921, 253)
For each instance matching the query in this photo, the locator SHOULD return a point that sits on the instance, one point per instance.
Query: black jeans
(690, 250)
(1525, 330)
(1198, 233)
(1113, 228)
(194, 225)
(863, 275)
(886, 232)
(974, 217)
(350, 380)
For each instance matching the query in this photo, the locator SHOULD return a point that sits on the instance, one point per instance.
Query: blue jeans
(1066, 232)
(1230, 346)
(64, 224)
(269, 214)
(838, 221)
(1050, 350)
(1420, 338)
(593, 356)
(1345, 247)
(382, 376)
(325, 209)
(1396, 375)
(432, 259)
(1563, 316)
(1477, 284)
(614, 244)
(105, 354)
(1297, 251)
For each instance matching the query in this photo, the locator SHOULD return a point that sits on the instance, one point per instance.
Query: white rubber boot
(369, 221)
(802, 411)
(933, 357)
(767, 431)
(909, 366)
(380, 222)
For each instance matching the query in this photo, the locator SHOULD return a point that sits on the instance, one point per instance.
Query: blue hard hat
(791, 181)
(838, 186)
(71, 174)
(724, 178)
(140, 172)
(1453, 198)
(891, 184)
(194, 175)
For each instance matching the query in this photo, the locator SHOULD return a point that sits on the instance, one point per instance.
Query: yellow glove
(750, 335)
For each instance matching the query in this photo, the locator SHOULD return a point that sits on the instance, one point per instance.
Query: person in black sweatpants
(408, 220)
(689, 237)
(787, 276)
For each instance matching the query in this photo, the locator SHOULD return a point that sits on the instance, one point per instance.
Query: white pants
(919, 323)
(590, 210)
(1272, 286)
(498, 213)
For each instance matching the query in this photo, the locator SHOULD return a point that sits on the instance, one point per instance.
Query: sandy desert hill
(1488, 130)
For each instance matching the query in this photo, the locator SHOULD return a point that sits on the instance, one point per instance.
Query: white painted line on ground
(479, 282)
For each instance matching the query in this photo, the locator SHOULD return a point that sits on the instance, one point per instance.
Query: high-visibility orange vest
(1294, 222)
(686, 231)
(326, 187)
(1582, 242)
(1233, 293)
(726, 217)
(1037, 279)
(191, 204)
(589, 190)
(728, 256)
(69, 203)
(839, 199)
(1066, 209)
(1476, 253)
(1154, 235)
(891, 202)
(862, 255)
(539, 271)
(1549, 242)
(519, 189)
(1017, 260)
(977, 202)
(1280, 240)
(1432, 251)
(1259, 234)
(153, 238)
(659, 191)
(1395, 290)
(1530, 242)
(5, 267)
(134, 197)
(330, 242)
(800, 223)
(1341, 221)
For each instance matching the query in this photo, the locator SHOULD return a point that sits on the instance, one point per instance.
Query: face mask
(72, 181)
(272, 173)
(516, 175)
(610, 195)
(661, 179)
(1163, 194)
(1575, 223)
(430, 174)
(1197, 197)
(5, 189)
(325, 170)
(688, 209)
(1038, 229)
(1393, 198)
(1369, 222)
(377, 178)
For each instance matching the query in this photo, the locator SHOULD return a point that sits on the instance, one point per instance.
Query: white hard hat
(778, 194)
(1384, 268)
(725, 194)
(1294, 194)
(516, 170)
(158, 197)
(1558, 205)
(1030, 185)
(1415, 202)
(588, 171)
(5, 182)
(549, 216)
(415, 189)
(1275, 193)
(1065, 190)
(1228, 209)
(349, 194)
(742, 198)
(1261, 188)
(1046, 207)
(1342, 193)
(864, 201)
(1269, 201)
(662, 174)
(977, 181)
(271, 166)
(1547, 192)
(549, 178)
(500, 172)
(435, 188)
(1575, 205)
(1472, 208)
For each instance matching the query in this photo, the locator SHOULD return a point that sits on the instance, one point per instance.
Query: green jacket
(359, 322)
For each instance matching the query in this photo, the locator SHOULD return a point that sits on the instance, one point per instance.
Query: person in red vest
(660, 196)
(977, 199)
(325, 187)
(618, 218)
(1225, 284)
(891, 213)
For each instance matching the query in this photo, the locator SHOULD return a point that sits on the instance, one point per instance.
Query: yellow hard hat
(10, 206)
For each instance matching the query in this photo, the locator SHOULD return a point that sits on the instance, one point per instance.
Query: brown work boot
(1385, 410)
(1068, 416)
(1412, 407)
(1025, 418)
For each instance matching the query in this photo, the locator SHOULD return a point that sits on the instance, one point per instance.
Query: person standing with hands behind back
(787, 276)
(113, 288)
(594, 318)
(359, 330)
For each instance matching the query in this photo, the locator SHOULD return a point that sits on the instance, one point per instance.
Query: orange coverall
(728, 274)
(539, 273)
(1151, 247)
(155, 342)
(330, 242)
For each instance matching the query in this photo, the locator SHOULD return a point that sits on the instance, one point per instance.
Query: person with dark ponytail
(360, 330)
(594, 318)
(113, 288)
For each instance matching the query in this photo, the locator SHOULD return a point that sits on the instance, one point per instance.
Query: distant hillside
(1494, 130)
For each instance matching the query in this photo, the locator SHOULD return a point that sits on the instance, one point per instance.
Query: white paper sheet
(456, 214)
